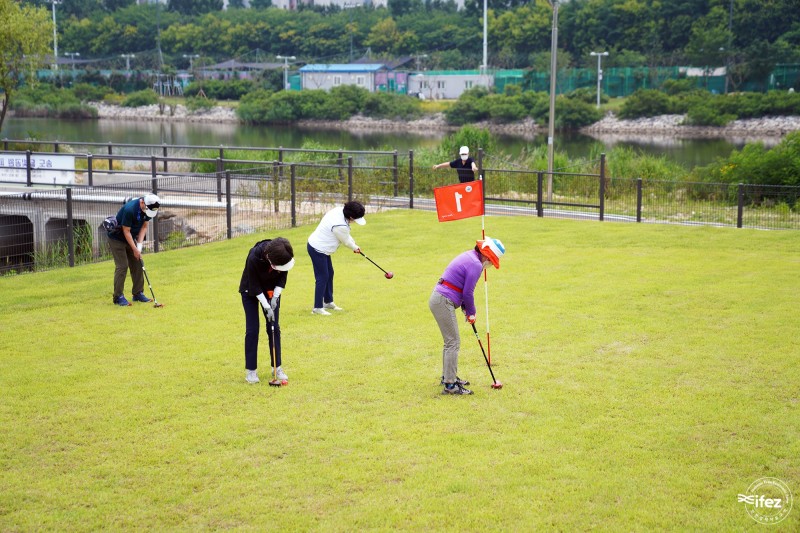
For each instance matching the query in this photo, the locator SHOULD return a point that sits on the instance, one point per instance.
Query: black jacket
(258, 275)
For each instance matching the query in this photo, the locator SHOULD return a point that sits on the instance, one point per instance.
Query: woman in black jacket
(263, 281)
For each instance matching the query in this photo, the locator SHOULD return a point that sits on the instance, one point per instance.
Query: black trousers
(252, 314)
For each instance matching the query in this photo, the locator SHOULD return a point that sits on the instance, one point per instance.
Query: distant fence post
(164, 153)
(228, 210)
(602, 186)
(55, 147)
(90, 169)
(29, 182)
(154, 183)
(639, 200)
(276, 183)
(539, 187)
(70, 229)
(280, 160)
(5, 144)
(340, 160)
(110, 158)
(350, 178)
(740, 206)
(219, 179)
(480, 169)
(395, 174)
(293, 177)
(411, 179)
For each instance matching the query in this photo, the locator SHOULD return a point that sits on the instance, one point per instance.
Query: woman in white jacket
(332, 231)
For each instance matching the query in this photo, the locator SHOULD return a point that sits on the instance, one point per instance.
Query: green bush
(681, 86)
(86, 92)
(140, 98)
(503, 108)
(253, 105)
(348, 99)
(198, 103)
(757, 164)
(470, 107)
(221, 89)
(573, 113)
(391, 106)
(645, 103)
(470, 136)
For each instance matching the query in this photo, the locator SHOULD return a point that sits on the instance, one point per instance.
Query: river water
(688, 152)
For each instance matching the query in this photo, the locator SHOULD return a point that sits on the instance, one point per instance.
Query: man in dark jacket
(126, 246)
(263, 280)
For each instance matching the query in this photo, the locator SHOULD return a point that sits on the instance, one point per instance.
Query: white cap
(151, 205)
(360, 221)
(464, 150)
(284, 268)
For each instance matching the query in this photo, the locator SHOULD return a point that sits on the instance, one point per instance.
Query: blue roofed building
(328, 76)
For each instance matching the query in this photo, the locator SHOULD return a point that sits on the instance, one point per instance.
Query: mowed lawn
(650, 375)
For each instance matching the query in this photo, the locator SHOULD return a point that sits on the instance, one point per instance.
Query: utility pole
(599, 55)
(349, 6)
(730, 44)
(286, 60)
(128, 58)
(55, 36)
(485, 65)
(191, 57)
(552, 119)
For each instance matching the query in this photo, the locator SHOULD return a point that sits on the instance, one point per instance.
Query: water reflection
(687, 151)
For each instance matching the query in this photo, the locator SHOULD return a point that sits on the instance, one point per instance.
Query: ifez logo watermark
(768, 500)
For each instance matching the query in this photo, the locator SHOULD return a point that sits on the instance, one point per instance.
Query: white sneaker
(281, 374)
(251, 376)
(319, 311)
(331, 305)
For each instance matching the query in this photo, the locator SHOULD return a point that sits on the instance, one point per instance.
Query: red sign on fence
(462, 200)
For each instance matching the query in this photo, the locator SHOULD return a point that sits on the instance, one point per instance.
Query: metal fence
(44, 226)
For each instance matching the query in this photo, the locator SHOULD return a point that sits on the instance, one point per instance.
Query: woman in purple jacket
(456, 288)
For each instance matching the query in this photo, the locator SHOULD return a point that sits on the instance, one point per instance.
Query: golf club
(274, 382)
(387, 275)
(496, 384)
(155, 304)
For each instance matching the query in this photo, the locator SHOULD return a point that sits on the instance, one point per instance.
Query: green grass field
(650, 375)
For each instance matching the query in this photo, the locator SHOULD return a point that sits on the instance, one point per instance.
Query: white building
(447, 84)
(328, 76)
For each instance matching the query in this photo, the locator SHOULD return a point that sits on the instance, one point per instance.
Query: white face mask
(464, 157)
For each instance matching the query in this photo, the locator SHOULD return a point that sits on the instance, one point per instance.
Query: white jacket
(332, 231)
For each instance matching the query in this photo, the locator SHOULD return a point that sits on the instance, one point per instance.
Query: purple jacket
(464, 272)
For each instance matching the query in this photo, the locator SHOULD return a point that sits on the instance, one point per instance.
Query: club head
(158, 305)
(497, 385)
(275, 383)
(389, 275)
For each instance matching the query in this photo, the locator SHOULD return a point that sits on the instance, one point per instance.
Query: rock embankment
(660, 125)
(165, 112)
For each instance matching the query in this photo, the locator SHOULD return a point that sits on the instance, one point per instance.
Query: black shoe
(455, 388)
(458, 380)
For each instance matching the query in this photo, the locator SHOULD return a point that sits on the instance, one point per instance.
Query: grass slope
(651, 374)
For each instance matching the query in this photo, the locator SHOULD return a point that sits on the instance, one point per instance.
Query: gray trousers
(444, 311)
(123, 260)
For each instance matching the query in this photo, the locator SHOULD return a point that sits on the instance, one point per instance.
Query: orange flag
(462, 200)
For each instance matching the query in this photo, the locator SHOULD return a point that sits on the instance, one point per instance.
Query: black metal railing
(43, 225)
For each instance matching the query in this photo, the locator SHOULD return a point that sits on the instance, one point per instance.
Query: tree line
(749, 35)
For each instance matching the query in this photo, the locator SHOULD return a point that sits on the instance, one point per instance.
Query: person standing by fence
(465, 166)
(126, 246)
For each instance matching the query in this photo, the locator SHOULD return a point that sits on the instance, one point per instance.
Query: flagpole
(486, 282)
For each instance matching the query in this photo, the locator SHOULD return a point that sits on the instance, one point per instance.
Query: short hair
(279, 251)
(353, 210)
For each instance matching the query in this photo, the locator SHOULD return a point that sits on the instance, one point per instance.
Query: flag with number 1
(462, 200)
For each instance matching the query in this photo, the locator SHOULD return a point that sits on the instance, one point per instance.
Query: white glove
(273, 303)
(139, 246)
(265, 305)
